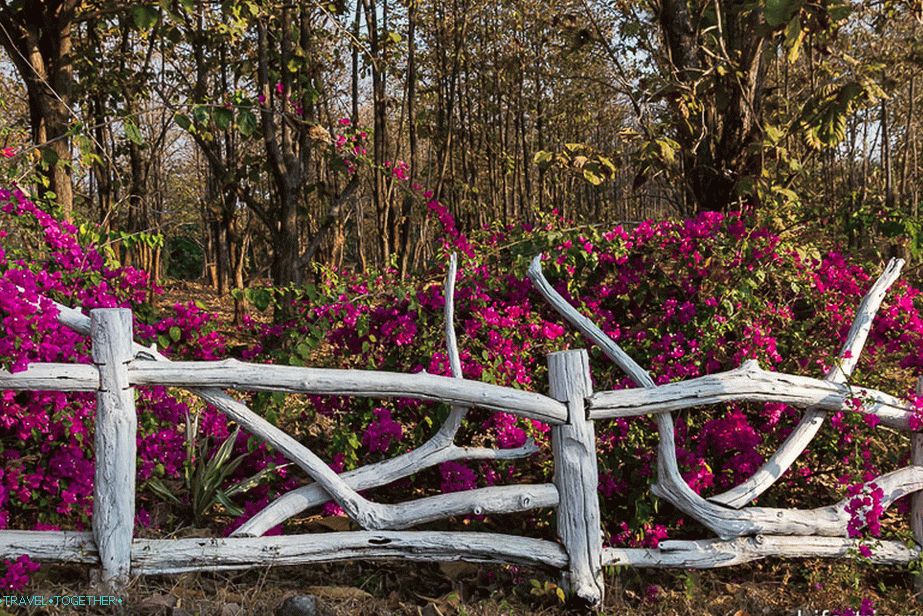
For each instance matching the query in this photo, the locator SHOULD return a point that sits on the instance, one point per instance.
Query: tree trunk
(716, 149)
(37, 38)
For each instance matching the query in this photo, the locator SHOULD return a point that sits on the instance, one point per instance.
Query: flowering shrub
(382, 431)
(684, 298)
(46, 479)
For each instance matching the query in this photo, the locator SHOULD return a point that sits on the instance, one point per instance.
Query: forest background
(208, 125)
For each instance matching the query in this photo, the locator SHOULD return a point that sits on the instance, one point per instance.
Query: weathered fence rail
(744, 533)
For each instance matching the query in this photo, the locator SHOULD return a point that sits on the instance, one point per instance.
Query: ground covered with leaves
(457, 589)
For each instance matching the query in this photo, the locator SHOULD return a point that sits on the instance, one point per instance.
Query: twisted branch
(727, 523)
(796, 442)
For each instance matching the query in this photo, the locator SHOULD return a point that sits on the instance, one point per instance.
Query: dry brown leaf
(333, 522)
(458, 570)
(158, 600)
(337, 592)
(319, 133)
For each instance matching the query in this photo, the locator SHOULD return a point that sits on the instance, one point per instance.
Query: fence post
(116, 428)
(916, 500)
(577, 477)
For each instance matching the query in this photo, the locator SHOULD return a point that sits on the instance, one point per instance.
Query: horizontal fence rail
(750, 383)
(243, 376)
(744, 533)
(232, 374)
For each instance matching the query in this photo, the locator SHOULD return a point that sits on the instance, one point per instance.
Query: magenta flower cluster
(383, 430)
(864, 508)
(18, 573)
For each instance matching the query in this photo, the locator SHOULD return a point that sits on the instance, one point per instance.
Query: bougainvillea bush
(46, 478)
(684, 298)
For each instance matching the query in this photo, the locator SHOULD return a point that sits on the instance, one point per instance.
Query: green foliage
(205, 476)
(145, 16)
(108, 243)
(260, 298)
(547, 590)
(578, 158)
(778, 12)
(246, 122)
(206, 120)
(823, 118)
(184, 256)
(133, 132)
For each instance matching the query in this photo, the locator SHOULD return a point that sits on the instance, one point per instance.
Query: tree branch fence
(742, 533)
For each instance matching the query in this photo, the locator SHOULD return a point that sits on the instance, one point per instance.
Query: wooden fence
(743, 533)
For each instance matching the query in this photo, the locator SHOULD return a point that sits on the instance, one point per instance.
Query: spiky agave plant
(204, 476)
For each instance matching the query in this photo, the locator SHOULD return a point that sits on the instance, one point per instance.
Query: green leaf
(200, 114)
(145, 16)
(222, 117)
(161, 490)
(778, 12)
(542, 157)
(304, 349)
(246, 122)
(132, 132)
(592, 177)
(260, 298)
(773, 133)
(231, 508)
(182, 121)
(794, 37)
(667, 149)
(253, 481)
(892, 228)
(50, 157)
(175, 333)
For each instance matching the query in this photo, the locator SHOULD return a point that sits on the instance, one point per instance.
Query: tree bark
(38, 41)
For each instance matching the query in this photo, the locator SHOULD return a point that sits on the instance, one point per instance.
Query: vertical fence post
(116, 427)
(916, 501)
(577, 477)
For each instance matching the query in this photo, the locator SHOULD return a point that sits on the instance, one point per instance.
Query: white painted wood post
(116, 428)
(916, 501)
(577, 477)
